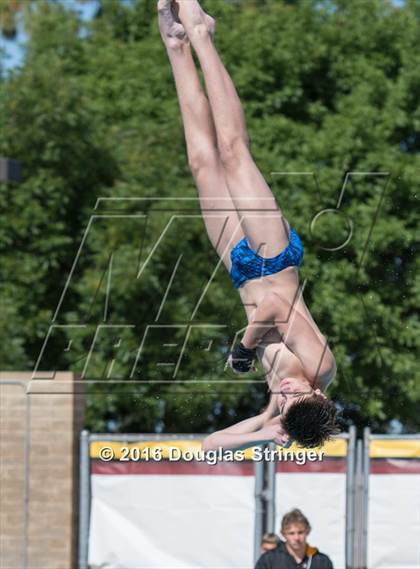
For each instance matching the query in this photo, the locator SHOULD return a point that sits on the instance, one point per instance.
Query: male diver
(259, 248)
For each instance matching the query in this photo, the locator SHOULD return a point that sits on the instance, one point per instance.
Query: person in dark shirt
(294, 552)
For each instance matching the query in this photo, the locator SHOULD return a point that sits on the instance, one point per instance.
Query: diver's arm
(227, 440)
(263, 320)
(254, 423)
(242, 358)
(245, 432)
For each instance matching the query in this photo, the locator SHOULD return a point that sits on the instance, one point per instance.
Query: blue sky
(12, 51)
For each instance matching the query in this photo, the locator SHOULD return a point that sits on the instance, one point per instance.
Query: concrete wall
(40, 423)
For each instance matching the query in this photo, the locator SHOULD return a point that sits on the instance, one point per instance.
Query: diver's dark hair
(312, 421)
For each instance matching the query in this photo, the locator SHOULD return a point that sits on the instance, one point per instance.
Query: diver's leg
(219, 212)
(264, 223)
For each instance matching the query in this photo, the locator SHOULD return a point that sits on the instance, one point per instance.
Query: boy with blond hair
(294, 552)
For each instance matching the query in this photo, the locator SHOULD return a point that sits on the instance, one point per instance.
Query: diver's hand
(241, 360)
(275, 433)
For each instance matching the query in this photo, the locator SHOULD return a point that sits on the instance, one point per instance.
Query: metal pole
(350, 498)
(270, 491)
(84, 500)
(358, 506)
(411, 437)
(365, 503)
(259, 507)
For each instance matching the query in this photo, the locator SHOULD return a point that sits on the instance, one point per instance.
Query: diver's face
(292, 389)
(289, 391)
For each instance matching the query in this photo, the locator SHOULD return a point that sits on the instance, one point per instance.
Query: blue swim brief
(247, 265)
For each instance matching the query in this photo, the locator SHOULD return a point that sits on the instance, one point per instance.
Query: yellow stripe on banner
(334, 448)
(394, 448)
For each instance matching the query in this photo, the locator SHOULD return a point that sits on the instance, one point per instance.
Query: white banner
(394, 521)
(171, 522)
(322, 499)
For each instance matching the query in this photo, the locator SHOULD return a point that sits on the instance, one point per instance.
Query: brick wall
(43, 532)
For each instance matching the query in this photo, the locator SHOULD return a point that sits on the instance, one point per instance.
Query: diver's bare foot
(193, 17)
(172, 31)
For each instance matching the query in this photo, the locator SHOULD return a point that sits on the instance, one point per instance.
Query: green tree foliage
(331, 96)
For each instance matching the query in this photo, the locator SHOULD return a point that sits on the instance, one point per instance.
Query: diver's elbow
(327, 371)
(332, 367)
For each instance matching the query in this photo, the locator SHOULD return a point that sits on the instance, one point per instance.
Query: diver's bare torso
(277, 360)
